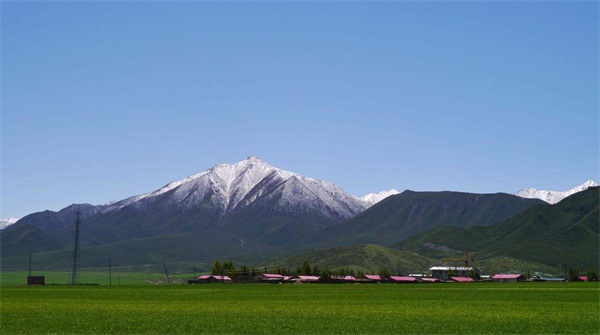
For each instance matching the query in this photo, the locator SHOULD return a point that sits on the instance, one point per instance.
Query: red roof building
(404, 279)
(272, 278)
(430, 280)
(462, 279)
(222, 278)
(508, 278)
(374, 278)
(308, 279)
(580, 278)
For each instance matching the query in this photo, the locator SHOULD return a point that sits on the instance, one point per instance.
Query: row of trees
(228, 269)
(306, 269)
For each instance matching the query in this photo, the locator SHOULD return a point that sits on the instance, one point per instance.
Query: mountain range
(553, 197)
(564, 233)
(541, 238)
(373, 198)
(249, 212)
(401, 216)
(246, 210)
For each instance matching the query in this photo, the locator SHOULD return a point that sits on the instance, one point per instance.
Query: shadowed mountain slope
(401, 216)
(566, 232)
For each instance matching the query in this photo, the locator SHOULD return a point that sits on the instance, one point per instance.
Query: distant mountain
(553, 197)
(373, 198)
(251, 212)
(564, 233)
(238, 210)
(401, 216)
(23, 239)
(235, 186)
(7, 222)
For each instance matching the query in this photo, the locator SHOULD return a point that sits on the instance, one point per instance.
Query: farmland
(9, 278)
(486, 308)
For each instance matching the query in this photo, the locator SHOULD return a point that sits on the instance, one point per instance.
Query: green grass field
(96, 277)
(480, 308)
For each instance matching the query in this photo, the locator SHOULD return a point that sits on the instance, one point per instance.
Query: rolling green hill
(184, 249)
(26, 239)
(367, 258)
(409, 213)
(371, 257)
(566, 232)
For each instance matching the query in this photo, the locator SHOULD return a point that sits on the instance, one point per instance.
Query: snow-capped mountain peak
(232, 186)
(373, 198)
(7, 222)
(553, 197)
(587, 184)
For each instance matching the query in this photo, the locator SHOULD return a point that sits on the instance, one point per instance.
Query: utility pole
(109, 274)
(29, 277)
(75, 268)
(167, 273)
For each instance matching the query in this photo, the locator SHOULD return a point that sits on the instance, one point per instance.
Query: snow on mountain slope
(7, 222)
(553, 197)
(373, 198)
(229, 187)
(113, 205)
(316, 195)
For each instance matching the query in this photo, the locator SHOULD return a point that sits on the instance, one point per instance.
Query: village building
(206, 279)
(308, 279)
(223, 279)
(343, 279)
(403, 279)
(580, 278)
(508, 278)
(417, 275)
(430, 280)
(272, 278)
(36, 280)
(442, 272)
(547, 278)
(374, 278)
(462, 279)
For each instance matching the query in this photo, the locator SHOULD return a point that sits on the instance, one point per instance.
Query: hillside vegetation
(404, 215)
(365, 258)
(564, 233)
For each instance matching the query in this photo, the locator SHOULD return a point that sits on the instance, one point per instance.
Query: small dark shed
(36, 280)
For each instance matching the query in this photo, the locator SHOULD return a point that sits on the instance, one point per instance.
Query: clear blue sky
(101, 101)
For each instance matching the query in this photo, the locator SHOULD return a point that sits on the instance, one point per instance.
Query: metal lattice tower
(75, 268)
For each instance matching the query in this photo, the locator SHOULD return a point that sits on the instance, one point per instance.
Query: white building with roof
(441, 272)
